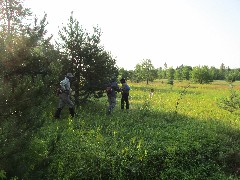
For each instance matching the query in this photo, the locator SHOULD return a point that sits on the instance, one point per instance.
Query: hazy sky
(188, 32)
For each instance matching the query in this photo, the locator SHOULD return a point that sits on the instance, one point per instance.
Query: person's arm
(65, 86)
(62, 84)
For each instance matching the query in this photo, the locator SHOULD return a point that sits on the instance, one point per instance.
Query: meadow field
(179, 133)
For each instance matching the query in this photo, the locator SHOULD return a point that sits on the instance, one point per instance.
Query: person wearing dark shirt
(125, 93)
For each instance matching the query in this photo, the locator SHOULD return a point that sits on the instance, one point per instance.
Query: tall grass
(150, 141)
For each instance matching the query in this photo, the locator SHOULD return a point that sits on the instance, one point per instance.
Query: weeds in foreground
(181, 96)
(148, 142)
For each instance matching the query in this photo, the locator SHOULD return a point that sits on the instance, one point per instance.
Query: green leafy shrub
(231, 103)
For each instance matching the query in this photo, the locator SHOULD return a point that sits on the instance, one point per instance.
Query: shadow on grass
(201, 148)
(138, 143)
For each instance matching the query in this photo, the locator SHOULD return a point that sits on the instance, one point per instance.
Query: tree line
(145, 71)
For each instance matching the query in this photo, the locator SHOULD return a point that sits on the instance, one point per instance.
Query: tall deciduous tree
(186, 72)
(170, 75)
(232, 75)
(178, 75)
(83, 55)
(138, 75)
(201, 74)
(222, 71)
(147, 70)
(160, 73)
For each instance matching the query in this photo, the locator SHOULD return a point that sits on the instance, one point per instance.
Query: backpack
(127, 88)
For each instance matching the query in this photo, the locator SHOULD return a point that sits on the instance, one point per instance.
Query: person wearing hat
(64, 96)
(125, 93)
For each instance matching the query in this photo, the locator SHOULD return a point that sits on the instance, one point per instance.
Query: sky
(175, 32)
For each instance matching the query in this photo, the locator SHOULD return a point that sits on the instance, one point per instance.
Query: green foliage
(146, 108)
(183, 92)
(170, 75)
(150, 141)
(232, 76)
(86, 59)
(12, 14)
(201, 75)
(137, 76)
(178, 74)
(197, 74)
(123, 74)
(145, 71)
(182, 73)
(231, 103)
(186, 72)
(29, 69)
(161, 73)
(170, 81)
(2, 174)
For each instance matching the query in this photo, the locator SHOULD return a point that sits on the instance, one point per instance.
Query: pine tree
(12, 15)
(83, 55)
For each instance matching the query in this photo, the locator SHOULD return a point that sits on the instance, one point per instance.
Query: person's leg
(122, 102)
(127, 102)
(109, 105)
(70, 104)
(57, 113)
(72, 112)
(59, 108)
(112, 104)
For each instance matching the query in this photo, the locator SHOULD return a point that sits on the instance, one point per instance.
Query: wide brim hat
(70, 75)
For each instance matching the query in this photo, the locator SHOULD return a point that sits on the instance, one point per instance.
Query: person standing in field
(111, 91)
(125, 93)
(64, 96)
(151, 93)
